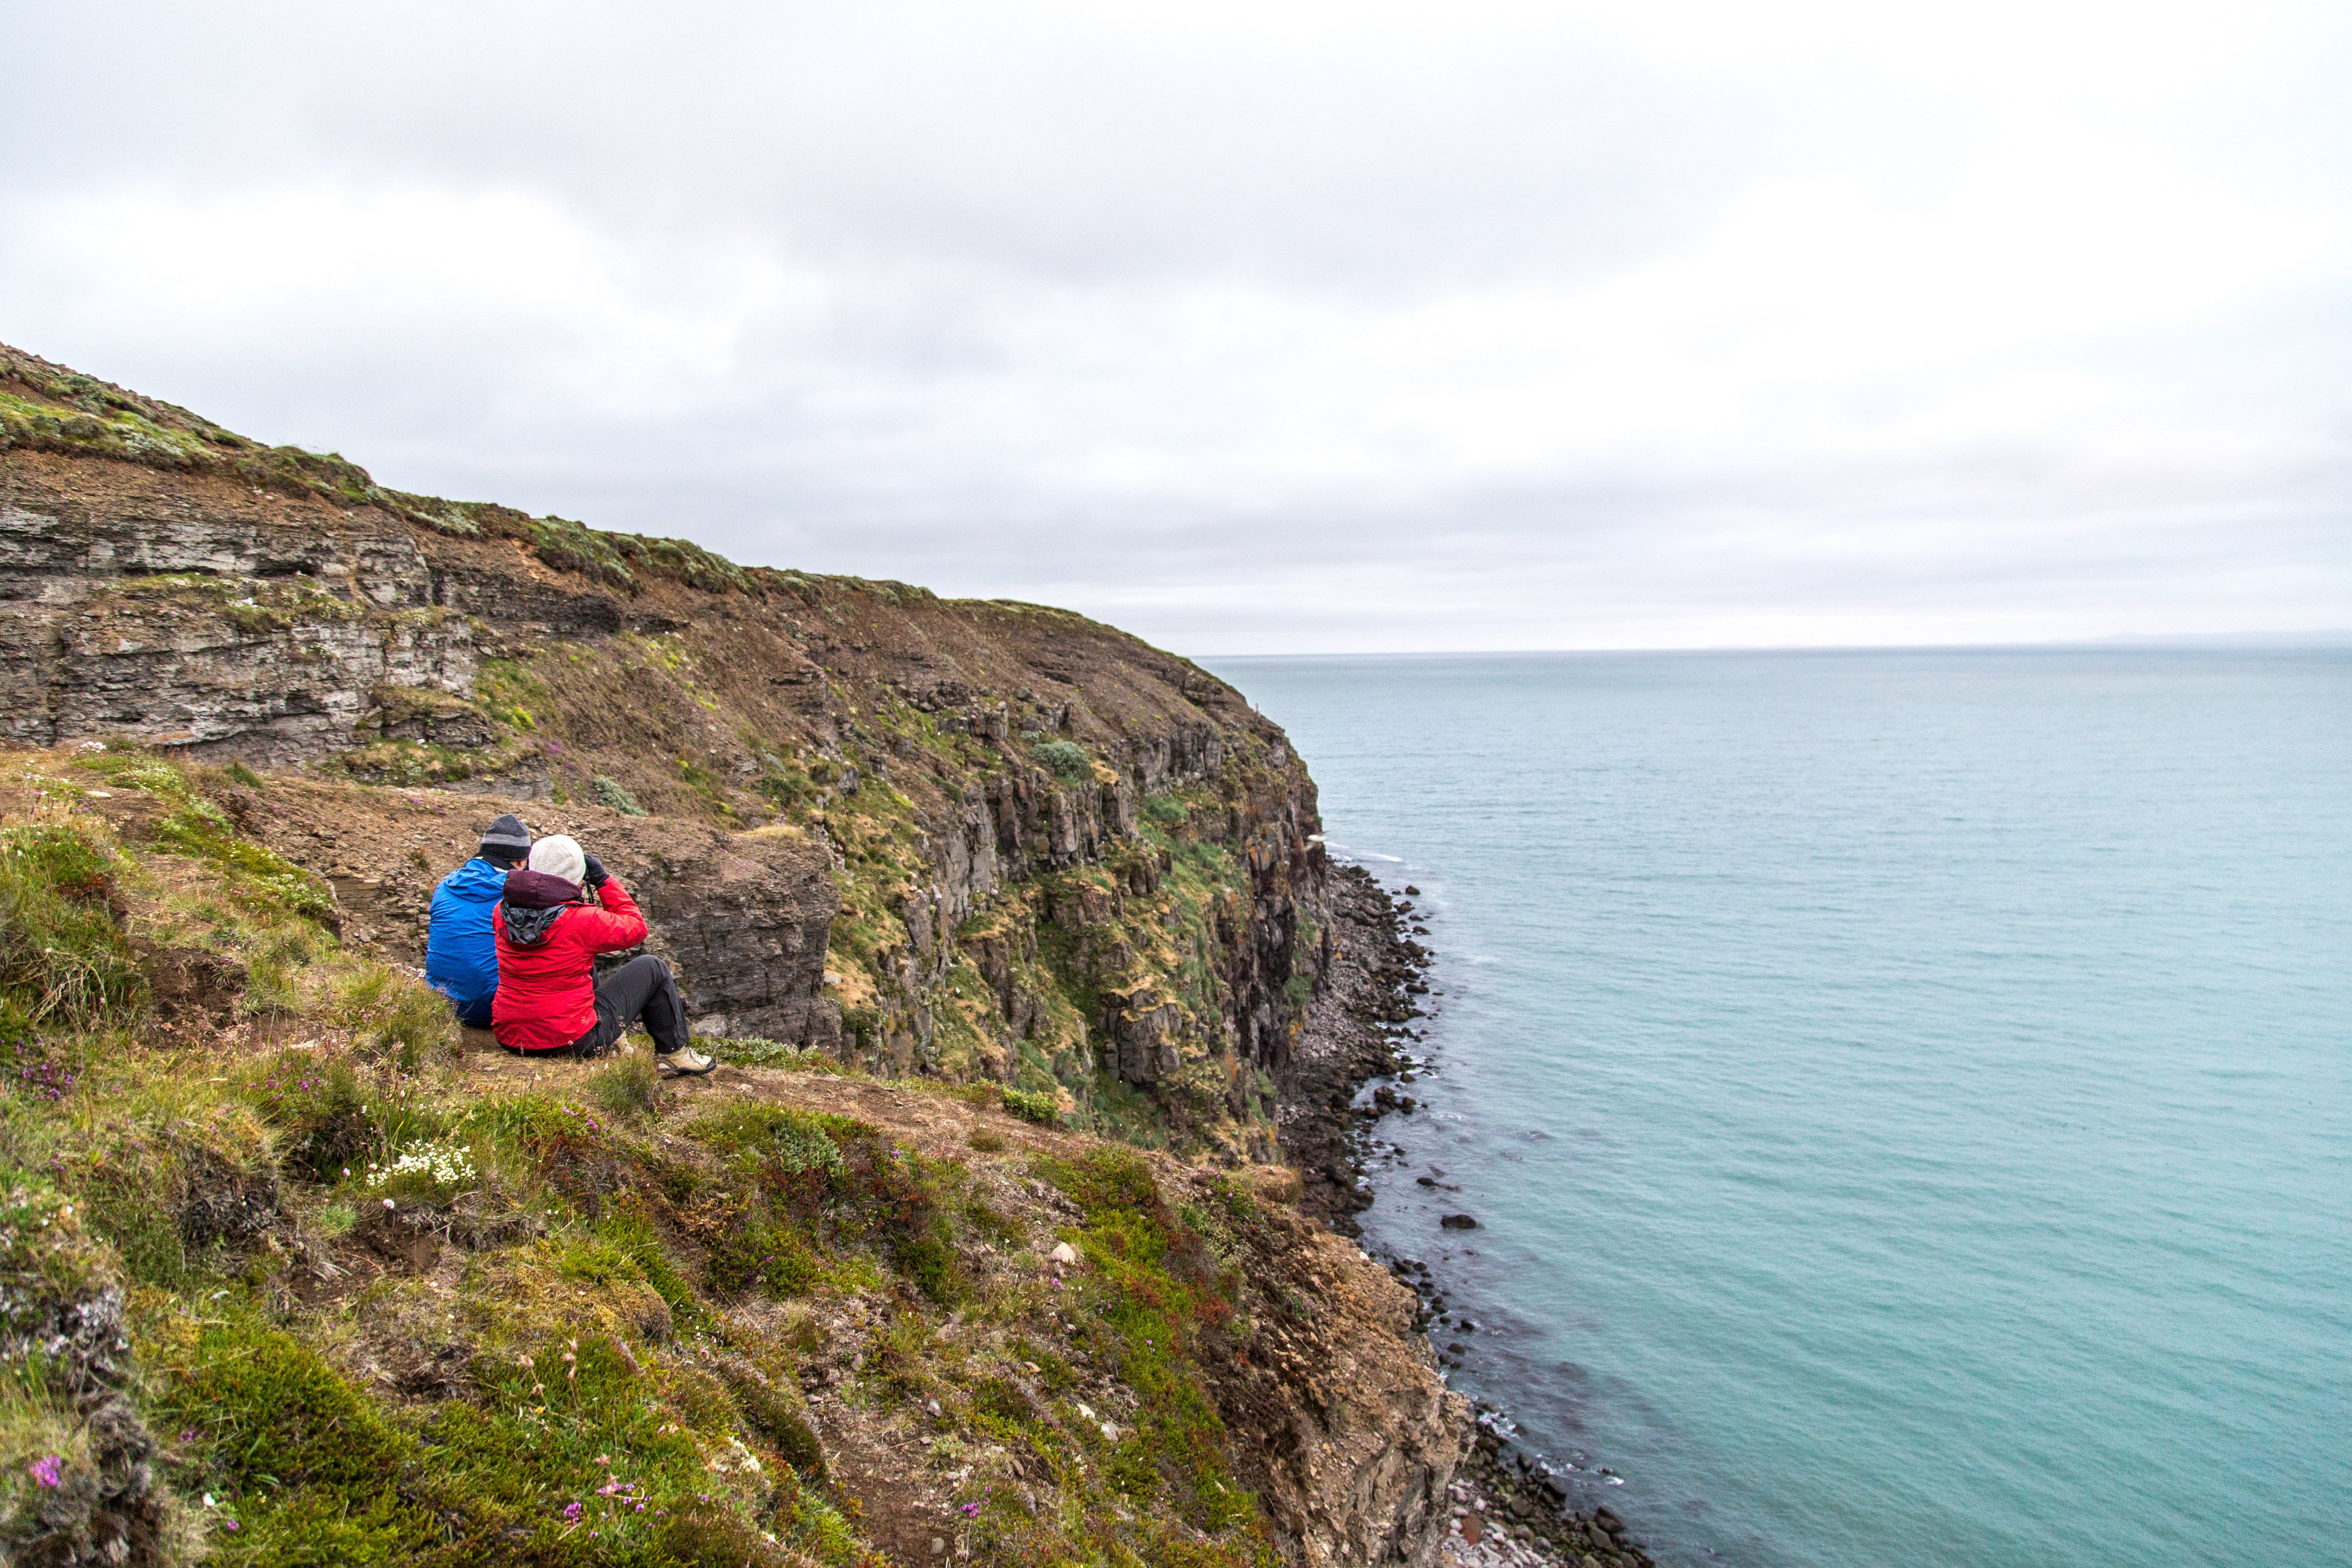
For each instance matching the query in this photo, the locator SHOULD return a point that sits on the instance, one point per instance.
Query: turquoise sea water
(1908, 1096)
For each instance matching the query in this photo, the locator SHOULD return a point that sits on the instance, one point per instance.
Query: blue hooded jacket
(461, 954)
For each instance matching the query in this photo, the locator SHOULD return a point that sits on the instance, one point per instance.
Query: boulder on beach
(1458, 1222)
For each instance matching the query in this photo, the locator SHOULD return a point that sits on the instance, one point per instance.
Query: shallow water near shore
(1907, 1097)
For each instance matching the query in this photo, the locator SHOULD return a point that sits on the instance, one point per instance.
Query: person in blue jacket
(461, 955)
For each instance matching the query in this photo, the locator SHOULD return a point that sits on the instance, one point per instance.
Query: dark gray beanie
(507, 838)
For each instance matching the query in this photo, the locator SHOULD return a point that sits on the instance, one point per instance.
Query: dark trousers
(642, 991)
(475, 1015)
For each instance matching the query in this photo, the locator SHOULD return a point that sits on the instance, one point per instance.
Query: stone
(1459, 1222)
(1063, 1253)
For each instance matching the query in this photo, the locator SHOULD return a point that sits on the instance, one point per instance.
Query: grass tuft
(63, 956)
(629, 1090)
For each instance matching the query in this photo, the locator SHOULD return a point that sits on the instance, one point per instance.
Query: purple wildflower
(48, 1471)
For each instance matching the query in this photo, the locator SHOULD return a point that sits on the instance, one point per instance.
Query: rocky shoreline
(1365, 1002)
(1506, 1507)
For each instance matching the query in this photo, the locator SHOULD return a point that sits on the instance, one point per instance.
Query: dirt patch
(190, 984)
(219, 1202)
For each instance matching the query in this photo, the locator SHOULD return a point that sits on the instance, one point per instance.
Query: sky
(1268, 328)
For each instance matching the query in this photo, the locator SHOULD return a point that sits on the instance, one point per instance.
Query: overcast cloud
(1264, 328)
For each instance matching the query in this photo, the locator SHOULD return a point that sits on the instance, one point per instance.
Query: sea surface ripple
(1908, 1096)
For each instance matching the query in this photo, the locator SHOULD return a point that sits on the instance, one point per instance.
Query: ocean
(1906, 1097)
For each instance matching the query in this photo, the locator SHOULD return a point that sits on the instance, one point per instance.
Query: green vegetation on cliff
(389, 1303)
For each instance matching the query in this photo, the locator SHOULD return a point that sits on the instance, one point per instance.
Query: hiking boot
(684, 1061)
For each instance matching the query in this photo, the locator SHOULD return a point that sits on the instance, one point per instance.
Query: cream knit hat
(559, 854)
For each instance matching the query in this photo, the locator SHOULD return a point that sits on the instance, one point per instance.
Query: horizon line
(2323, 638)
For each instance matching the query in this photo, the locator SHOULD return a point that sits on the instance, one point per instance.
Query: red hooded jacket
(547, 989)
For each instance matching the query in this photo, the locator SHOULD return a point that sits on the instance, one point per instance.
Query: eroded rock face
(1357, 1438)
(746, 929)
(194, 616)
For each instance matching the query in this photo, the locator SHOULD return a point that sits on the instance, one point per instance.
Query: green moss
(307, 1469)
(631, 1234)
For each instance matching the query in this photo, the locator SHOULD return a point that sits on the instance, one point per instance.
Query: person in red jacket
(549, 935)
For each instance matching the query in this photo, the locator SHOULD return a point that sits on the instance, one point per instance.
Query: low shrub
(1033, 1106)
(1066, 760)
(608, 793)
(794, 1141)
(320, 1111)
(759, 1255)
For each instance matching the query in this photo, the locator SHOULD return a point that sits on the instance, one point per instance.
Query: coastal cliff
(1015, 935)
(1039, 852)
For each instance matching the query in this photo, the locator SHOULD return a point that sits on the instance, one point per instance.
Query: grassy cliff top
(388, 1300)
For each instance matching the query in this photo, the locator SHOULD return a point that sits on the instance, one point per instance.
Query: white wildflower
(446, 1166)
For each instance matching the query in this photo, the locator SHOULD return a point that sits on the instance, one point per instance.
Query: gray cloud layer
(1344, 328)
